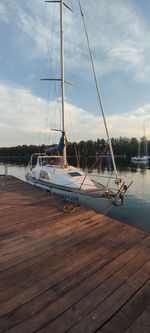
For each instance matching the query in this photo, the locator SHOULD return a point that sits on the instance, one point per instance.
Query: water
(136, 211)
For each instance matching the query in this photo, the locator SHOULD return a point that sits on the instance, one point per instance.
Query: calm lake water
(136, 210)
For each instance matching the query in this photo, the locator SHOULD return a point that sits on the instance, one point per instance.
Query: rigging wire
(97, 88)
(50, 57)
(70, 128)
(77, 154)
(41, 119)
(100, 159)
(40, 107)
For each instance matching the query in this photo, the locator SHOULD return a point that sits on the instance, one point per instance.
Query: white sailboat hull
(71, 183)
(100, 203)
(140, 159)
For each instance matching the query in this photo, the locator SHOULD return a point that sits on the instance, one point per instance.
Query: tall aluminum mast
(62, 4)
(62, 77)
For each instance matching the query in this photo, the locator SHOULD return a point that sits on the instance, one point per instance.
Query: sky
(119, 34)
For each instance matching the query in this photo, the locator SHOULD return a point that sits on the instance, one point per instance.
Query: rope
(70, 207)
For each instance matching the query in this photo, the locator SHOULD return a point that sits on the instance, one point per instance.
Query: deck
(67, 270)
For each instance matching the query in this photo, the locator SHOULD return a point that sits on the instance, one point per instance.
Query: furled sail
(58, 148)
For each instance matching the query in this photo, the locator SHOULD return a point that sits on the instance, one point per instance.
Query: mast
(145, 142)
(62, 78)
(139, 148)
(62, 4)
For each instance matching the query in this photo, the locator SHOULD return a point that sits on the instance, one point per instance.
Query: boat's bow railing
(118, 190)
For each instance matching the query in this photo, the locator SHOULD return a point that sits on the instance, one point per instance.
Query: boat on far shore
(140, 158)
(143, 154)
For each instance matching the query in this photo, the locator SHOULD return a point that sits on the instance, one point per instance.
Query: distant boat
(51, 171)
(143, 154)
(140, 158)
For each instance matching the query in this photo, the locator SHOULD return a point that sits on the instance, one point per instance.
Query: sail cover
(58, 147)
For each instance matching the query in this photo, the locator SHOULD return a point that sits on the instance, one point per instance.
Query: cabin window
(75, 174)
(44, 175)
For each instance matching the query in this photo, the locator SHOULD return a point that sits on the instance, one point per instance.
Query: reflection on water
(136, 210)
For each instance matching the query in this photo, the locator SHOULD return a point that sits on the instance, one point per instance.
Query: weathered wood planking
(68, 272)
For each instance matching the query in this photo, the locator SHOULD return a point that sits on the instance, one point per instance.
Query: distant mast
(145, 142)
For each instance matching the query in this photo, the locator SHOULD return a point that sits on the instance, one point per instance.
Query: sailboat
(50, 171)
(143, 154)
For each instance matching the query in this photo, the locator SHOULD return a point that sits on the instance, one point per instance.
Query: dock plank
(74, 272)
(110, 306)
(130, 313)
(142, 324)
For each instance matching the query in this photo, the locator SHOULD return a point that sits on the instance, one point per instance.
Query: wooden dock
(72, 271)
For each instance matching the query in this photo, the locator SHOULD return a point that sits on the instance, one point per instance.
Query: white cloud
(25, 118)
(118, 33)
(129, 124)
(121, 33)
(19, 115)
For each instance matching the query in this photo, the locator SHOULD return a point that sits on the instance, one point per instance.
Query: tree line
(121, 146)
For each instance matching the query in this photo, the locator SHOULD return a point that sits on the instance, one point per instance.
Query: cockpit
(50, 160)
(45, 160)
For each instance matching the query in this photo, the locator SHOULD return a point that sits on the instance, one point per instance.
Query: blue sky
(29, 37)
